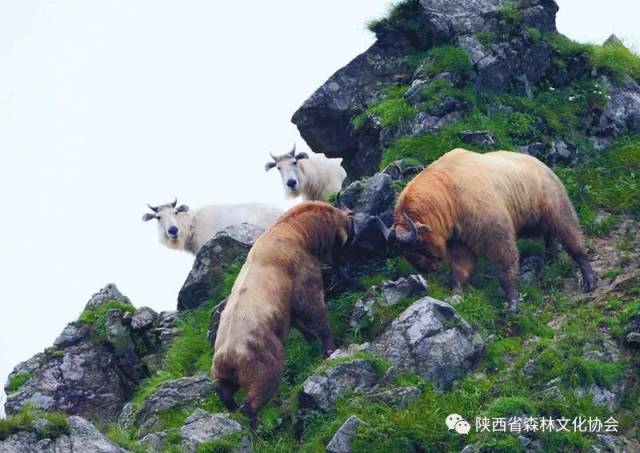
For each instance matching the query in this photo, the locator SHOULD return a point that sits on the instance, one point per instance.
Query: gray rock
(606, 443)
(143, 318)
(399, 170)
(83, 437)
(386, 295)
(622, 112)
(321, 391)
(600, 396)
(373, 196)
(484, 139)
(324, 120)
(212, 261)
(533, 149)
(399, 397)
(108, 293)
(154, 442)
(71, 335)
(530, 268)
(431, 339)
(202, 426)
(562, 152)
(633, 337)
(126, 418)
(613, 40)
(183, 392)
(343, 438)
(87, 379)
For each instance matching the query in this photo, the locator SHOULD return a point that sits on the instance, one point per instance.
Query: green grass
(609, 181)
(17, 381)
(97, 318)
(617, 59)
(57, 424)
(393, 110)
(403, 16)
(123, 438)
(451, 59)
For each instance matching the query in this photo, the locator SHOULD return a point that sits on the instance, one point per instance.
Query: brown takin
(467, 205)
(279, 286)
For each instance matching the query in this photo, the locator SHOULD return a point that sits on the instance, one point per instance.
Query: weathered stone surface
(386, 295)
(85, 378)
(343, 438)
(622, 112)
(321, 391)
(143, 318)
(484, 139)
(533, 149)
(213, 260)
(606, 443)
(202, 426)
(108, 293)
(181, 392)
(431, 339)
(399, 397)
(83, 437)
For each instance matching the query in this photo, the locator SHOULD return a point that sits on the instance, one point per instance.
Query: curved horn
(388, 233)
(293, 151)
(174, 202)
(153, 208)
(273, 157)
(412, 236)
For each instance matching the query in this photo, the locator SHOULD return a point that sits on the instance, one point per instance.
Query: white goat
(183, 229)
(313, 179)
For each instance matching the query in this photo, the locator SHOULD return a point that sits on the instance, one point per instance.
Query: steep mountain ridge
(482, 74)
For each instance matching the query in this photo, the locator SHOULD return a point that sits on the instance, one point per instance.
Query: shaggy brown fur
(467, 205)
(279, 286)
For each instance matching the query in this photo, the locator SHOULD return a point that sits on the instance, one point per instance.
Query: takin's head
(172, 223)
(414, 241)
(287, 165)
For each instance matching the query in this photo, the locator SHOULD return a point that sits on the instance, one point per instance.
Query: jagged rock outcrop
(202, 427)
(183, 392)
(83, 437)
(431, 339)
(321, 391)
(343, 438)
(324, 120)
(387, 294)
(213, 260)
(95, 364)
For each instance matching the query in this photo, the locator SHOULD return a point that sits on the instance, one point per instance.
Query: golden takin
(279, 286)
(467, 205)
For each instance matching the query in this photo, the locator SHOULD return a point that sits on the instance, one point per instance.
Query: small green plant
(391, 111)
(125, 439)
(17, 381)
(452, 59)
(97, 318)
(56, 426)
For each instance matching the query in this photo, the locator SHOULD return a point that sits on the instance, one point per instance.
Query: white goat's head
(292, 176)
(171, 223)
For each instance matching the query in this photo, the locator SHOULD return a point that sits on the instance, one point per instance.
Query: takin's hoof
(590, 284)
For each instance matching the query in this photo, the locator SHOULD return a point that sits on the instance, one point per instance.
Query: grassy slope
(549, 333)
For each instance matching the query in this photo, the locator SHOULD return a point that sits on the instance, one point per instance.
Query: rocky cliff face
(482, 74)
(431, 61)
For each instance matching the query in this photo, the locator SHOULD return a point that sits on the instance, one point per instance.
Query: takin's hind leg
(567, 230)
(550, 247)
(461, 263)
(226, 389)
(262, 388)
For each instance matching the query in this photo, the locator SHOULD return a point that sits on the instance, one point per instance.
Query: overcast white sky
(105, 106)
